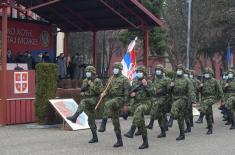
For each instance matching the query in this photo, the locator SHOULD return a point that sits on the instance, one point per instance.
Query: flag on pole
(129, 61)
(228, 55)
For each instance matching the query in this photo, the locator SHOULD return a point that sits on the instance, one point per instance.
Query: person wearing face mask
(142, 90)
(222, 107)
(211, 92)
(117, 95)
(229, 92)
(160, 100)
(196, 84)
(189, 107)
(90, 90)
(182, 93)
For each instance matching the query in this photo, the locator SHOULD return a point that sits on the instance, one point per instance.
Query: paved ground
(18, 140)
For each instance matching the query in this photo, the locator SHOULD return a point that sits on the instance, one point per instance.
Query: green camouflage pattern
(160, 101)
(89, 101)
(117, 95)
(142, 104)
(183, 93)
(229, 92)
(210, 92)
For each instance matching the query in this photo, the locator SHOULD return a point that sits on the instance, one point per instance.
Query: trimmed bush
(46, 86)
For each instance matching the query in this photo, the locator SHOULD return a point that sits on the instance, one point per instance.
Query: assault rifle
(137, 88)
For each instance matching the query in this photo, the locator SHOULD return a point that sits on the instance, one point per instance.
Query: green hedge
(46, 86)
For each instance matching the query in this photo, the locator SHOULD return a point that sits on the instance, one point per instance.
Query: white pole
(189, 31)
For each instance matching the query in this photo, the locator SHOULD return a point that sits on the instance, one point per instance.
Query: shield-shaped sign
(21, 82)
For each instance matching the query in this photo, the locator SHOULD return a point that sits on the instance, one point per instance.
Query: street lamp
(189, 31)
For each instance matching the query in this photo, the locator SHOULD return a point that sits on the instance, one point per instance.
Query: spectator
(62, 69)
(76, 62)
(46, 57)
(70, 68)
(29, 61)
(9, 56)
(38, 59)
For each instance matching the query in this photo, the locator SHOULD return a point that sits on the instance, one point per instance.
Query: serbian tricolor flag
(129, 61)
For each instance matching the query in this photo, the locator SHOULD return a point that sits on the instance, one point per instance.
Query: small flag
(129, 61)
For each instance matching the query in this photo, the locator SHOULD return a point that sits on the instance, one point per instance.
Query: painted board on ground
(67, 107)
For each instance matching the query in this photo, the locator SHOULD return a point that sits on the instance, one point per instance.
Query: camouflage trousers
(112, 109)
(230, 105)
(189, 112)
(206, 107)
(138, 116)
(88, 106)
(178, 110)
(158, 110)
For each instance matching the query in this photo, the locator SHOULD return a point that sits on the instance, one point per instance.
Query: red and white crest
(21, 85)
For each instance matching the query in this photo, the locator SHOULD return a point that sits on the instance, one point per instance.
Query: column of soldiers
(161, 97)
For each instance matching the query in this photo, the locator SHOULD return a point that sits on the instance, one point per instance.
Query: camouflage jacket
(183, 87)
(94, 90)
(211, 88)
(144, 92)
(230, 89)
(196, 85)
(161, 85)
(119, 87)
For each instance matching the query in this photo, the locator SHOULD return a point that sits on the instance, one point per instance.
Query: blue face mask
(139, 75)
(115, 71)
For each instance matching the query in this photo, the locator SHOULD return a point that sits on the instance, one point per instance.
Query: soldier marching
(160, 98)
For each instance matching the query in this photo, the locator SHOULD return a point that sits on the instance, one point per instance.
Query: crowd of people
(68, 67)
(162, 96)
(28, 59)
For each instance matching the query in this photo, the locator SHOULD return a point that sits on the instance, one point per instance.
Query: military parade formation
(162, 98)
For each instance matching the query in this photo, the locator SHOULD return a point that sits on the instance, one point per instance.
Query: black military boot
(145, 143)
(191, 121)
(124, 115)
(228, 121)
(232, 125)
(94, 137)
(188, 128)
(103, 125)
(200, 119)
(119, 140)
(210, 131)
(170, 122)
(150, 126)
(165, 124)
(181, 136)
(74, 117)
(130, 133)
(162, 134)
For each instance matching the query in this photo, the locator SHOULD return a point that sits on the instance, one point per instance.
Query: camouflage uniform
(211, 92)
(160, 100)
(222, 107)
(117, 95)
(88, 103)
(142, 104)
(196, 85)
(229, 90)
(182, 93)
(189, 111)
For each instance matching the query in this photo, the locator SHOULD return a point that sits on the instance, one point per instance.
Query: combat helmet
(142, 69)
(231, 71)
(180, 66)
(160, 66)
(117, 65)
(90, 69)
(209, 70)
